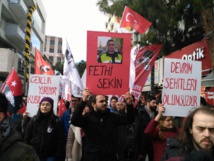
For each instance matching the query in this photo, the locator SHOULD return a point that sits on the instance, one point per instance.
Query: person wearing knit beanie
(45, 132)
(46, 104)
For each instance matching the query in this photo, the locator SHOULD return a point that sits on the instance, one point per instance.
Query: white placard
(181, 86)
(42, 86)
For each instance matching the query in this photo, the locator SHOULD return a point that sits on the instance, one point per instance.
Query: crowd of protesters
(93, 129)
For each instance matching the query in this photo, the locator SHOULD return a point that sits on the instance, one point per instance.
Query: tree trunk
(208, 21)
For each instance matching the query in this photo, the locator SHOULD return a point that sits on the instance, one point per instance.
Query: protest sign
(42, 86)
(108, 62)
(181, 86)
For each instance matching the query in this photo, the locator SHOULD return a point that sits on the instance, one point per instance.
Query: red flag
(41, 66)
(12, 88)
(62, 107)
(144, 62)
(134, 20)
(23, 108)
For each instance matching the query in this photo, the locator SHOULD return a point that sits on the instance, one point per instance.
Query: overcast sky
(71, 19)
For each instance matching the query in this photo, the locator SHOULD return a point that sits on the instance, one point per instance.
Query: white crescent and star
(127, 17)
(13, 83)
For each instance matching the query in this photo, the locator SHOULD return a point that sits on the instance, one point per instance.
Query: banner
(42, 86)
(198, 51)
(181, 86)
(70, 73)
(108, 62)
(144, 62)
(41, 66)
(61, 107)
(12, 88)
(134, 20)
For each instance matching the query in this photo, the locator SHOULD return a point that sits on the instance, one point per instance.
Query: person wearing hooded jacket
(12, 146)
(45, 132)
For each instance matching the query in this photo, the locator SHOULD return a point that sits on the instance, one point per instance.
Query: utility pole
(27, 45)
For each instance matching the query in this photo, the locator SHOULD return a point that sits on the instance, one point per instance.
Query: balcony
(30, 3)
(19, 9)
(15, 34)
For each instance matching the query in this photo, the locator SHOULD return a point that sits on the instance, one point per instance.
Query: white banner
(181, 86)
(42, 86)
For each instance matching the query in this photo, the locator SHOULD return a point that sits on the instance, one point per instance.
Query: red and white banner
(134, 20)
(41, 66)
(198, 51)
(144, 62)
(107, 78)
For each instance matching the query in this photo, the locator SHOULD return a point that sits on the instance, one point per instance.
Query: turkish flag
(134, 20)
(12, 88)
(61, 107)
(41, 66)
(144, 62)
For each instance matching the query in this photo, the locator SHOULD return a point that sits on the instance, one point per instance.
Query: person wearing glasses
(111, 55)
(66, 116)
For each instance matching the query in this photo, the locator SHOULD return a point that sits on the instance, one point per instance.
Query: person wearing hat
(45, 132)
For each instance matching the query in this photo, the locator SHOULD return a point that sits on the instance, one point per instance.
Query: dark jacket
(172, 149)
(99, 130)
(173, 152)
(12, 148)
(46, 136)
(144, 141)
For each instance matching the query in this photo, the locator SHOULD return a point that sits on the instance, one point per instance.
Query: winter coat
(172, 150)
(99, 131)
(12, 148)
(74, 144)
(158, 144)
(143, 141)
(46, 136)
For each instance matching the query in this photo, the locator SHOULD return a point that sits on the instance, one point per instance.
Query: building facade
(53, 49)
(13, 21)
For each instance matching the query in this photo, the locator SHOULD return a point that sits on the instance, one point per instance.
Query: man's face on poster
(111, 46)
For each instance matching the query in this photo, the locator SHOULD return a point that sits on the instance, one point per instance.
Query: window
(37, 19)
(21, 66)
(60, 43)
(59, 51)
(14, 1)
(35, 40)
(51, 59)
(52, 42)
(51, 50)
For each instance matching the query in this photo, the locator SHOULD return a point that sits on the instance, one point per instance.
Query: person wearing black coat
(144, 145)
(45, 132)
(99, 126)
